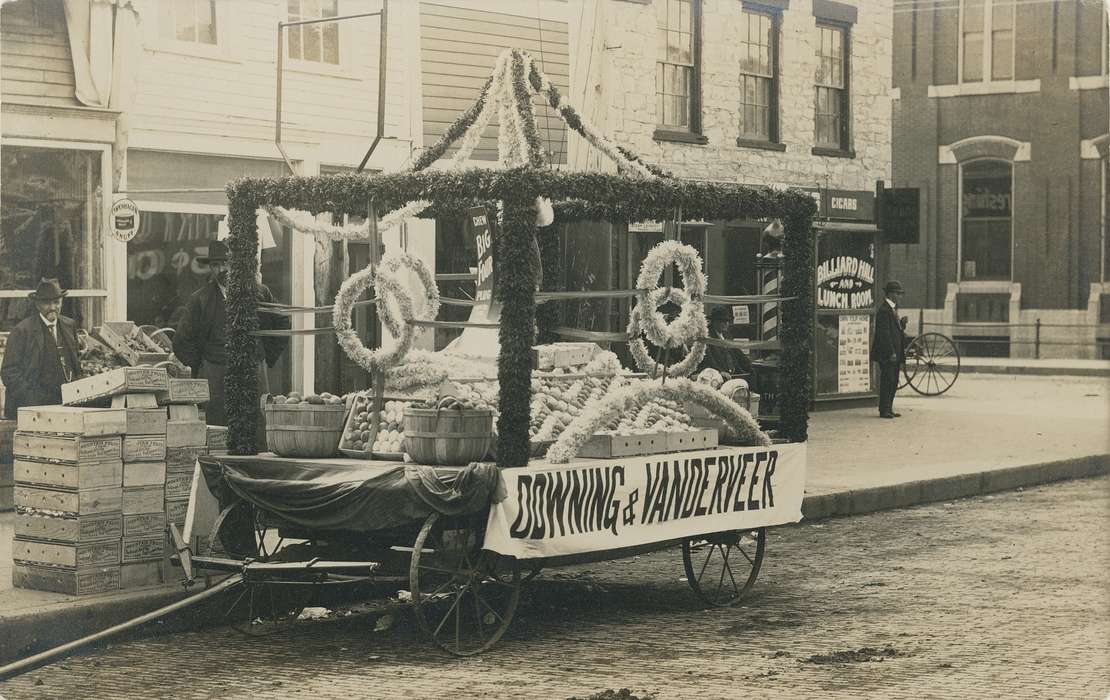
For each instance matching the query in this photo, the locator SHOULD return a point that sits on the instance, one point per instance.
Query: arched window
(986, 239)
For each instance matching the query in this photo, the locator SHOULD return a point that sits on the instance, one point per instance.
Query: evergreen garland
(796, 328)
(549, 315)
(241, 380)
(453, 132)
(516, 286)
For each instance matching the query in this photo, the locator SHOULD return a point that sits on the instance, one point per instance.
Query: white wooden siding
(35, 65)
(459, 47)
(233, 95)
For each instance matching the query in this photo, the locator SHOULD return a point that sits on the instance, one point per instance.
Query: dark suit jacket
(22, 371)
(887, 342)
(197, 341)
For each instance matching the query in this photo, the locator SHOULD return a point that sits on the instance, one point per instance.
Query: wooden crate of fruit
(184, 391)
(684, 440)
(130, 343)
(69, 581)
(75, 420)
(368, 438)
(303, 426)
(604, 445)
(126, 380)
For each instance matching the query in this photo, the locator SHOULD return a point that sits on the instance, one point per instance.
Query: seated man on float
(732, 363)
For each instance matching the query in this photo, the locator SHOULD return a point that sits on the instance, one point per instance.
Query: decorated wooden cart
(468, 535)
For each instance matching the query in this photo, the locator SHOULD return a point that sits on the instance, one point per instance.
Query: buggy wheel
(722, 567)
(936, 364)
(463, 597)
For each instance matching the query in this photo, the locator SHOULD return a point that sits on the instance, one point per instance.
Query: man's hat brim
(47, 297)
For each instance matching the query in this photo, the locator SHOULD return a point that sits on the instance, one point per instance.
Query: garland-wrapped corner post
(241, 392)
(796, 332)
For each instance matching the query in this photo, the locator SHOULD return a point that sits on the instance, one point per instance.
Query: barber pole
(769, 270)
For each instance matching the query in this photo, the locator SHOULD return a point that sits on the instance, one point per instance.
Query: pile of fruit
(390, 434)
(555, 403)
(295, 397)
(135, 342)
(96, 360)
(465, 398)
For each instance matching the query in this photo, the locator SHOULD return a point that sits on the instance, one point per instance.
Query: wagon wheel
(261, 607)
(464, 597)
(715, 572)
(936, 364)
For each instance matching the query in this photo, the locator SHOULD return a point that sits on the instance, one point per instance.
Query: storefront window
(162, 266)
(50, 199)
(456, 254)
(986, 220)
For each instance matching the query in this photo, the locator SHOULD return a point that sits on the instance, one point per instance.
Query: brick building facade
(1001, 120)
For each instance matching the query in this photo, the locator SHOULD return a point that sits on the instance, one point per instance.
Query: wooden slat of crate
(144, 525)
(74, 420)
(135, 401)
(83, 528)
(605, 445)
(76, 449)
(179, 484)
(112, 334)
(142, 573)
(143, 499)
(143, 548)
(144, 448)
(181, 459)
(186, 433)
(180, 390)
(176, 509)
(90, 502)
(80, 555)
(138, 380)
(68, 476)
(84, 582)
(146, 421)
(184, 411)
(144, 474)
(691, 440)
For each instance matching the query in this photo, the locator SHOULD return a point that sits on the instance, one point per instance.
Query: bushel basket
(448, 436)
(303, 429)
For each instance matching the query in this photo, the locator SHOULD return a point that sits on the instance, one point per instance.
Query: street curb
(32, 632)
(1038, 371)
(904, 495)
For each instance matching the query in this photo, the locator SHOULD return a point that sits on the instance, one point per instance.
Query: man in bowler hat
(728, 361)
(201, 338)
(888, 348)
(41, 353)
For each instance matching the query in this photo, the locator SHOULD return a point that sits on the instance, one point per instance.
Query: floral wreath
(690, 327)
(385, 280)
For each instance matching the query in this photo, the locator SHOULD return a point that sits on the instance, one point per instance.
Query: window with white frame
(676, 67)
(986, 210)
(319, 42)
(758, 75)
(192, 21)
(831, 79)
(986, 40)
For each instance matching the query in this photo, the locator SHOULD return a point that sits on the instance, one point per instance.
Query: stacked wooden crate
(187, 439)
(68, 496)
(144, 483)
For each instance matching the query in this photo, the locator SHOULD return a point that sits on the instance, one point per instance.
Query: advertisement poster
(853, 364)
(595, 505)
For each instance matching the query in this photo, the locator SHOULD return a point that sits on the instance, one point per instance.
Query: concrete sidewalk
(1058, 367)
(988, 433)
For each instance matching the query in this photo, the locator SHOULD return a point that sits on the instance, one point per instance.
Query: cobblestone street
(1000, 596)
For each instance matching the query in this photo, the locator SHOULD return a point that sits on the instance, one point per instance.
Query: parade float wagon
(460, 474)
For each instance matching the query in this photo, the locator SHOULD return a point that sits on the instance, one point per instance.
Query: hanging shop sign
(477, 224)
(900, 214)
(845, 270)
(607, 504)
(845, 205)
(124, 217)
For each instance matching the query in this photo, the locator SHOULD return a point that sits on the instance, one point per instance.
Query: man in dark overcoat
(730, 362)
(888, 347)
(41, 353)
(201, 338)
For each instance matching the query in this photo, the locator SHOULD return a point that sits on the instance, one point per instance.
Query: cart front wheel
(932, 364)
(722, 567)
(463, 597)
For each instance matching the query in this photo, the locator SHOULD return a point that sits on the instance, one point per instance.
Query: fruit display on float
(362, 438)
(295, 397)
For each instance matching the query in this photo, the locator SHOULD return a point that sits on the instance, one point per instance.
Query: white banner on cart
(593, 505)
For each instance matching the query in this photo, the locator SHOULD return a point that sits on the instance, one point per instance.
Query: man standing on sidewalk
(887, 347)
(41, 353)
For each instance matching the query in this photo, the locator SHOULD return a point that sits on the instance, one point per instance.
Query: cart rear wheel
(722, 567)
(464, 597)
(932, 364)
